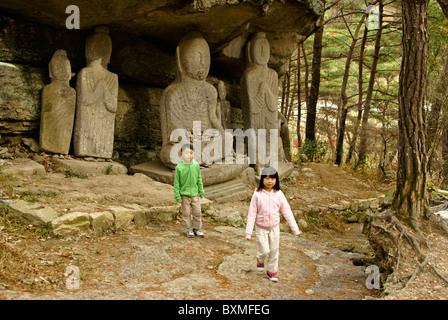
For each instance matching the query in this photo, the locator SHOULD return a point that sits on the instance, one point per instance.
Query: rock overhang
(223, 23)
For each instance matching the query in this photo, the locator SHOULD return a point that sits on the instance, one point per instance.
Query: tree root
(385, 240)
(417, 270)
(433, 268)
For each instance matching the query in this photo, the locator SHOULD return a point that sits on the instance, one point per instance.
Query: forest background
(340, 93)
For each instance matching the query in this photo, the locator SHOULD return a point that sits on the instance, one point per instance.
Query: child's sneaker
(260, 266)
(189, 233)
(272, 276)
(198, 233)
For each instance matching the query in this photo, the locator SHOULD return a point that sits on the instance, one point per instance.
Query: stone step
(232, 190)
(90, 168)
(125, 216)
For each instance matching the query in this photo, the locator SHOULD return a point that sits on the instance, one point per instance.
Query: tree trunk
(305, 82)
(344, 100)
(360, 95)
(287, 89)
(282, 106)
(365, 116)
(310, 130)
(299, 104)
(291, 103)
(410, 199)
(382, 164)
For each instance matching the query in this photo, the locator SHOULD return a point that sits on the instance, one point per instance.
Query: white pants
(267, 247)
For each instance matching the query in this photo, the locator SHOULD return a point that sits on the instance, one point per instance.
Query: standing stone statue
(58, 107)
(223, 107)
(259, 88)
(97, 96)
(189, 99)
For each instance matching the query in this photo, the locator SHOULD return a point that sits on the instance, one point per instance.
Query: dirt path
(159, 262)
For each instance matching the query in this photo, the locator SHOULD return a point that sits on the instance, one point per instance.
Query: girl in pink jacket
(264, 212)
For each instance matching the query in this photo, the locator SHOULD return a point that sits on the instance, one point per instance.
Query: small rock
(302, 224)
(32, 144)
(303, 157)
(309, 291)
(346, 247)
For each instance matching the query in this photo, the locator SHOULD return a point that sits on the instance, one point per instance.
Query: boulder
(123, 217)
(165, 213)
(32, 213)
(70, 224)
(101, 221)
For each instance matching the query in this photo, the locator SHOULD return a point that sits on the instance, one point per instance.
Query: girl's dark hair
(269, 171)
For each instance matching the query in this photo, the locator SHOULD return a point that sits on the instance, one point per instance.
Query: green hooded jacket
(187, 180)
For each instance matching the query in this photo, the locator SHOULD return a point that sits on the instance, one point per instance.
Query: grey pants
(191, 212)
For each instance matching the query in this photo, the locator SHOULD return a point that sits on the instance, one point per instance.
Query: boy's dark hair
(269, 171)
(185, 146)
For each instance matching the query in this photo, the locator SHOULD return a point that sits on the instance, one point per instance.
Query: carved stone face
(60, 68)
(99, 45)
(260, 50)
(194, 57)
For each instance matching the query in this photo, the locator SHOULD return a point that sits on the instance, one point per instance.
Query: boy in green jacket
(187, 189)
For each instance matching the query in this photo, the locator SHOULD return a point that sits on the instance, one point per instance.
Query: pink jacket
(264, 211)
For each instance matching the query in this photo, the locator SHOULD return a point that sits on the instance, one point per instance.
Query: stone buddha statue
(223, 108)
(259, 86)
(57, 107)
(97, 96)
(190, 100)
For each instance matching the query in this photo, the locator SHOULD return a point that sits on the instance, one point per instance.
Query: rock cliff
(144, 35)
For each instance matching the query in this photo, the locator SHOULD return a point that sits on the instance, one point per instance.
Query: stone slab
(143, 216)
(216, 173)
(70, 224)
(233, 190)
(124, 217)
(22, 166)
(32, 213)
(90, 168)
(101, 221)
